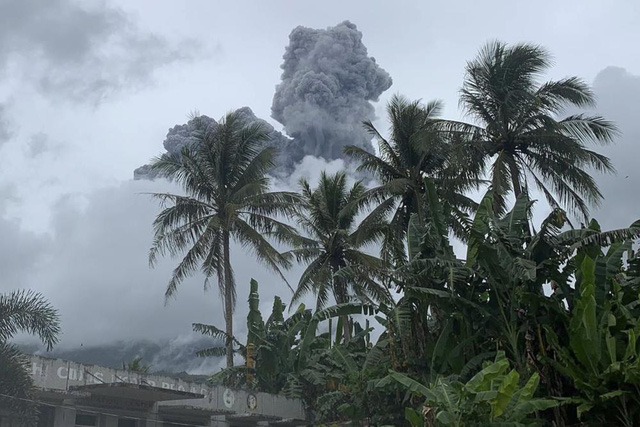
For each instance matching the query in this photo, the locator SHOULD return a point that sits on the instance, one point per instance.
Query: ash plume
(181, 135)
(328, 81)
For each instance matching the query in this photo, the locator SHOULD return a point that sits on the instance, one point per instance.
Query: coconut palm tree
(23, 311)
(417, 147)
(334, 244)
(223, 174)
(519, 127)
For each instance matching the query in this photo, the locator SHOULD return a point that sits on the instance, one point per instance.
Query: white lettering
(60, 374)
(36, 369)
(152, 383)
(180, 388)
(73, 374)
(165, 385)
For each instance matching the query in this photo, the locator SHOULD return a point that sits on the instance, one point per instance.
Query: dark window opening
(46, 417)
(126, 422)
(86, 420)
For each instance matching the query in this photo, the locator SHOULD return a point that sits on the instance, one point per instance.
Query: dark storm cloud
(83, 51)
(328, 81)
(618, 96)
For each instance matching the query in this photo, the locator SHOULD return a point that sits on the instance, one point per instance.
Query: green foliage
(416, 148)
(493, 396)
(224, 176)
(333, 247)
(28, 312)
(556, 307)
(603, 357)
(520, 131)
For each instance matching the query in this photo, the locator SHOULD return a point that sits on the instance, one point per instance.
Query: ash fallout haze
(92, 91)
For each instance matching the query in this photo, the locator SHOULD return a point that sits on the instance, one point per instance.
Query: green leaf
(414, 417)
(506, 390)
(612, 394)
(447, 418)
(412, 385)
(415, 232)
(522, 410)
(344, 358)
(479, 228)
(530, 388)
(481, 381)
(585, 333)
(584, 407)
(611, 347)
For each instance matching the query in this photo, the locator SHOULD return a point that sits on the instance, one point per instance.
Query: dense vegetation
(26, 312)
(538, 324)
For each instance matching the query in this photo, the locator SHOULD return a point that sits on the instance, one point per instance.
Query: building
(76, 395)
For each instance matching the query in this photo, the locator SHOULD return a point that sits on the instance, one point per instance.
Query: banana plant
(283, 355)
(493, 396)
(602, 359)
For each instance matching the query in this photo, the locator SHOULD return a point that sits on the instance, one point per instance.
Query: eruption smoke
(181, 135)
(327, 83)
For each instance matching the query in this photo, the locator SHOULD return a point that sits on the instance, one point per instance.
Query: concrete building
(76, 395)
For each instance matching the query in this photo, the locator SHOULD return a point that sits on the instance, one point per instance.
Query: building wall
(59, 375)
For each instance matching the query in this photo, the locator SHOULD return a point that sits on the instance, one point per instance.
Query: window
(86, 420)
(46, 417)
(126, 422)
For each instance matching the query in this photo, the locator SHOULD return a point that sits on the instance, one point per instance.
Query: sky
(88, 91)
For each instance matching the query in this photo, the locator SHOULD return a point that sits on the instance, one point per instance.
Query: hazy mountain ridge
(174, 357)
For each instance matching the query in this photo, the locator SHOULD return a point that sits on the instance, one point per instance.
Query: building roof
(135, 392)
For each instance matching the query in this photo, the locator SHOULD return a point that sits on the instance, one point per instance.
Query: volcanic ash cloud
(328, 83)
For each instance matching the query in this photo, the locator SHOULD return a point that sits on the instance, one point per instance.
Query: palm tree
(520, 129)
(333, 248)
(416, 148)
(23, 311)
(227, 196)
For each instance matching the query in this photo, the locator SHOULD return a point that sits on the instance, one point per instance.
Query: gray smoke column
(181, 135)
(328, 81)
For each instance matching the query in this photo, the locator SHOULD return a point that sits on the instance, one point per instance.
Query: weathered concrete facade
(72, 394)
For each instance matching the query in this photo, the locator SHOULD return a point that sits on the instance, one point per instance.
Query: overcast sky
(88, 91)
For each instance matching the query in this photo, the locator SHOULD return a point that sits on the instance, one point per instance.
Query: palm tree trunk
(515, 176)
(228, 299)
(346, 326)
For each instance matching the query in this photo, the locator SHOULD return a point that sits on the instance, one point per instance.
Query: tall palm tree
(223, 174)
(334, 245)
(518, 126)
(23, 311)
(416, 148)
